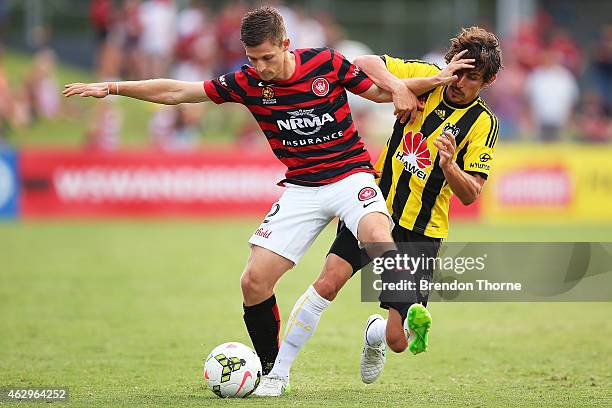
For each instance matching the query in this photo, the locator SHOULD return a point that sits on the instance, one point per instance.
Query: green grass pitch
(122, 313)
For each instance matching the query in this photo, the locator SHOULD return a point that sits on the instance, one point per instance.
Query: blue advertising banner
(8, 184)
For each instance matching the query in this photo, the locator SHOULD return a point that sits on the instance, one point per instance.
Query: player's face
(267, 59)
(466, 88)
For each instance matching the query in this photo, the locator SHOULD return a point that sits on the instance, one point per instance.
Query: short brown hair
(483, 46)
(261, 25)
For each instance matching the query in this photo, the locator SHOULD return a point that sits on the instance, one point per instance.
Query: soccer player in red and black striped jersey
(305, 117)
(299, 100)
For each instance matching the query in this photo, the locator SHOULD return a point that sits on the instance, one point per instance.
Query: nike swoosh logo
(246, 376)
(261, 84)
(366, 205)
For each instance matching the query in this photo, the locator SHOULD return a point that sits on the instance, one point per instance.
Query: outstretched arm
(446, 76)
(164, 91)
(404, 100)
(377, 94)
(403, 90)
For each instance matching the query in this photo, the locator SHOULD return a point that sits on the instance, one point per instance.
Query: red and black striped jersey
(306, 118)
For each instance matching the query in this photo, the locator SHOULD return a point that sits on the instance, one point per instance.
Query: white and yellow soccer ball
(232, 370)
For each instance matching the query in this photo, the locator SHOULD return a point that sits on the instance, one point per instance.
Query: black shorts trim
(346, 247)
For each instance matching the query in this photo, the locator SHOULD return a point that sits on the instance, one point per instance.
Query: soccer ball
(232, 370)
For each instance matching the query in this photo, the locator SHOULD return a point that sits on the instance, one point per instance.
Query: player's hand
(447, 75)
(406, 104)
(447, 146)
(97, 90)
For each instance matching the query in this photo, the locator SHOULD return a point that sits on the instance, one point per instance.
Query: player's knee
(326, 288)
(333, 277)
(380, 235)
(397, 343)
(375, 236)
(253, 284)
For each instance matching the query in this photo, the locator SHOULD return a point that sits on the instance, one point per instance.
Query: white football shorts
(301, 213)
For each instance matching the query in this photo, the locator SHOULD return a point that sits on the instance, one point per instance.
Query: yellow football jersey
(417, 193)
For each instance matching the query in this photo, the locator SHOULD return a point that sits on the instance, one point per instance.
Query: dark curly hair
(482, 45)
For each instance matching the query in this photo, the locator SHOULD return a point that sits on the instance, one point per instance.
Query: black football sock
(263, 324)
(394, 274)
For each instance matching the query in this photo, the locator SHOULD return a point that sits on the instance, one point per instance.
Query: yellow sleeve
(410, 68)
(481, 144)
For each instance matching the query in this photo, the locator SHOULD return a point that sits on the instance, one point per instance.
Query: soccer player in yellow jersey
(448, 149)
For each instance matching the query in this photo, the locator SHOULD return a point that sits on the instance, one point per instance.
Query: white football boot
(372, 357)
(272, 386)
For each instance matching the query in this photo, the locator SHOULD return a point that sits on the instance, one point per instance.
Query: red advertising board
(464, 212)
(150, 183)
(536, 186)
(73, 183)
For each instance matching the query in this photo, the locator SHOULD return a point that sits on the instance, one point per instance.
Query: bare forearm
(164, 91)
(463, 185)
(375, 68)
(404, 101)
(446, 76)
(419, 86)
(377, 71)
(377, 94)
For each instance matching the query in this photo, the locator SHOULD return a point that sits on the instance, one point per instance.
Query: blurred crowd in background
(551, 88)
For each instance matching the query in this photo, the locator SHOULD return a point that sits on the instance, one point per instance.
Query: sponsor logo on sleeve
(485, 157)
(482, 164)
